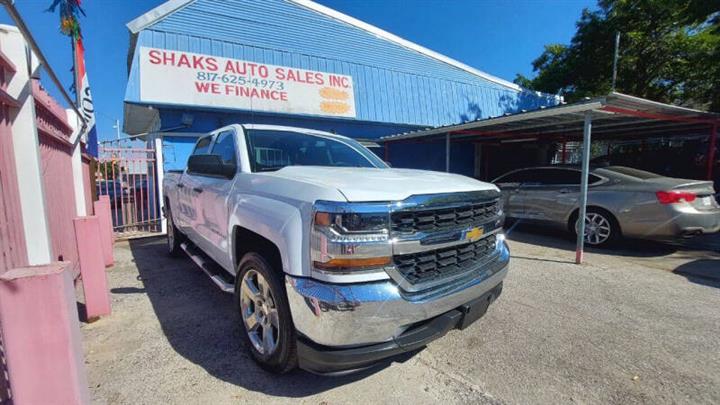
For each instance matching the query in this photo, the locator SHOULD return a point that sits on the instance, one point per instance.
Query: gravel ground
(637, 325)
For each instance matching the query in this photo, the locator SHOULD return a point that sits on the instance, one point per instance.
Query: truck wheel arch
(245, 241)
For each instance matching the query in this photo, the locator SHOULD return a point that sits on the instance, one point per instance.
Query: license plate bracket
(475, 309)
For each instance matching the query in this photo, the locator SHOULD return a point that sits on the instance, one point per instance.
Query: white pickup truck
(336, 260)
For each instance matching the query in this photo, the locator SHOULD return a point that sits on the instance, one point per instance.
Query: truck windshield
(272, 150)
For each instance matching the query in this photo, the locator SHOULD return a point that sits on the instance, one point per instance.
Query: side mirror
(210, 165)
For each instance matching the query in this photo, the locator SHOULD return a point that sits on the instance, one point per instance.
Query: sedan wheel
(259, 312)
(598, 228)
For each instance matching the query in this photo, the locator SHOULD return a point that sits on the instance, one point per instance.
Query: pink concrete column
(41, 336)
(102, 211)
(92, 266)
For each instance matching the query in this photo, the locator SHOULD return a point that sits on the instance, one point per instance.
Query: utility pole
(117, 129)
(615, 60)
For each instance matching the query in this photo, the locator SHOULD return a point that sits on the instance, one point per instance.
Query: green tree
(669, 52)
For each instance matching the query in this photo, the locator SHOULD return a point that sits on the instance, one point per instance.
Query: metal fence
(128, 176)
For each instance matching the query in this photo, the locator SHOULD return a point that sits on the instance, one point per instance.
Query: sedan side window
(520, 176)
(564, 177)
(544, 177)
(561, 177)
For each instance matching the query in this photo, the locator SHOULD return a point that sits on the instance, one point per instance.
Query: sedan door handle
(180, 185)
(198, 190)
(565, 191)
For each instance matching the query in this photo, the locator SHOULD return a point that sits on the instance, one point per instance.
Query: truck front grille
(432, 220)
(431, 265)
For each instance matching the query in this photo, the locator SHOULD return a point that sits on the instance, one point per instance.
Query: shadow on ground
(202, 325)
(559, 239)
(703, 271)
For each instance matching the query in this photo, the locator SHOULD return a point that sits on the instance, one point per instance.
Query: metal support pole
(615, 60)
(447, 152)
(711, 151)
(160, 175)
(587, 129)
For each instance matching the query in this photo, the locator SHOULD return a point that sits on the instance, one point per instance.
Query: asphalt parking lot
(639, 324)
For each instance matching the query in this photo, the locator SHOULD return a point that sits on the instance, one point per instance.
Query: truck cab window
(225, 146)
(203, 146)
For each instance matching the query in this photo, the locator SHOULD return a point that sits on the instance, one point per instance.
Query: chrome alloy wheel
(597, 228)
(259, 313)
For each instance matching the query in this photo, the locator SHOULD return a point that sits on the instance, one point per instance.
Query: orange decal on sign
(334, 107)
(333, 94)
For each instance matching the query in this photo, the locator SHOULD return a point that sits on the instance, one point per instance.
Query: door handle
(180, 185)
(198, 190)
(565, 191)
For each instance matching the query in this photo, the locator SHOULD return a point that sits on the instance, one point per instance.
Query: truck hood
(372, 184)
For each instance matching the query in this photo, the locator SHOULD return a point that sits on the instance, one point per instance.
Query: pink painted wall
(39, 330)
(56, 158)
(12, 238)
(44, 351)
(92, 265)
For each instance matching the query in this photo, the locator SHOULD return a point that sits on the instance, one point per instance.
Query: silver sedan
(621, 202)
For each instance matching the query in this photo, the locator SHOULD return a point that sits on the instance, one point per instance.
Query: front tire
(265, 317)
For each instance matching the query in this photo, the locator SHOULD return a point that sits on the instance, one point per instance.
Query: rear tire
(601, 227)
(174, 237)
(265, 317)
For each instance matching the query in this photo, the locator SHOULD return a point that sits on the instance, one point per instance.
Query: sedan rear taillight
(674, 197)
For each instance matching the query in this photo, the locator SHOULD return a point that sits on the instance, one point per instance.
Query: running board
(209, 267)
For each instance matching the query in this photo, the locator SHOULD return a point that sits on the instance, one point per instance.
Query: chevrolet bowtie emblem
(474, 234)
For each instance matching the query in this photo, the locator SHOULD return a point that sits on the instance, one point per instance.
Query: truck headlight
(348, 237)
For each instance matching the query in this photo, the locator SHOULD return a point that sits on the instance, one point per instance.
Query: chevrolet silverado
(336, 260)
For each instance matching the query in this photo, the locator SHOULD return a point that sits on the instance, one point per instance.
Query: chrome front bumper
(346, 315)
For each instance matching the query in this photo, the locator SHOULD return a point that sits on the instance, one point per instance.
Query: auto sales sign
(176, 77)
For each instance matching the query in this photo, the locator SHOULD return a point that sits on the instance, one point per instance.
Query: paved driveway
(627, 327)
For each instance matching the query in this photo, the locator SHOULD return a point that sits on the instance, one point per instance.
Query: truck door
(214, 199)
(189, 214)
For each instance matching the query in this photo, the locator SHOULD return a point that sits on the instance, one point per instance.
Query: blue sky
(498, 37)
